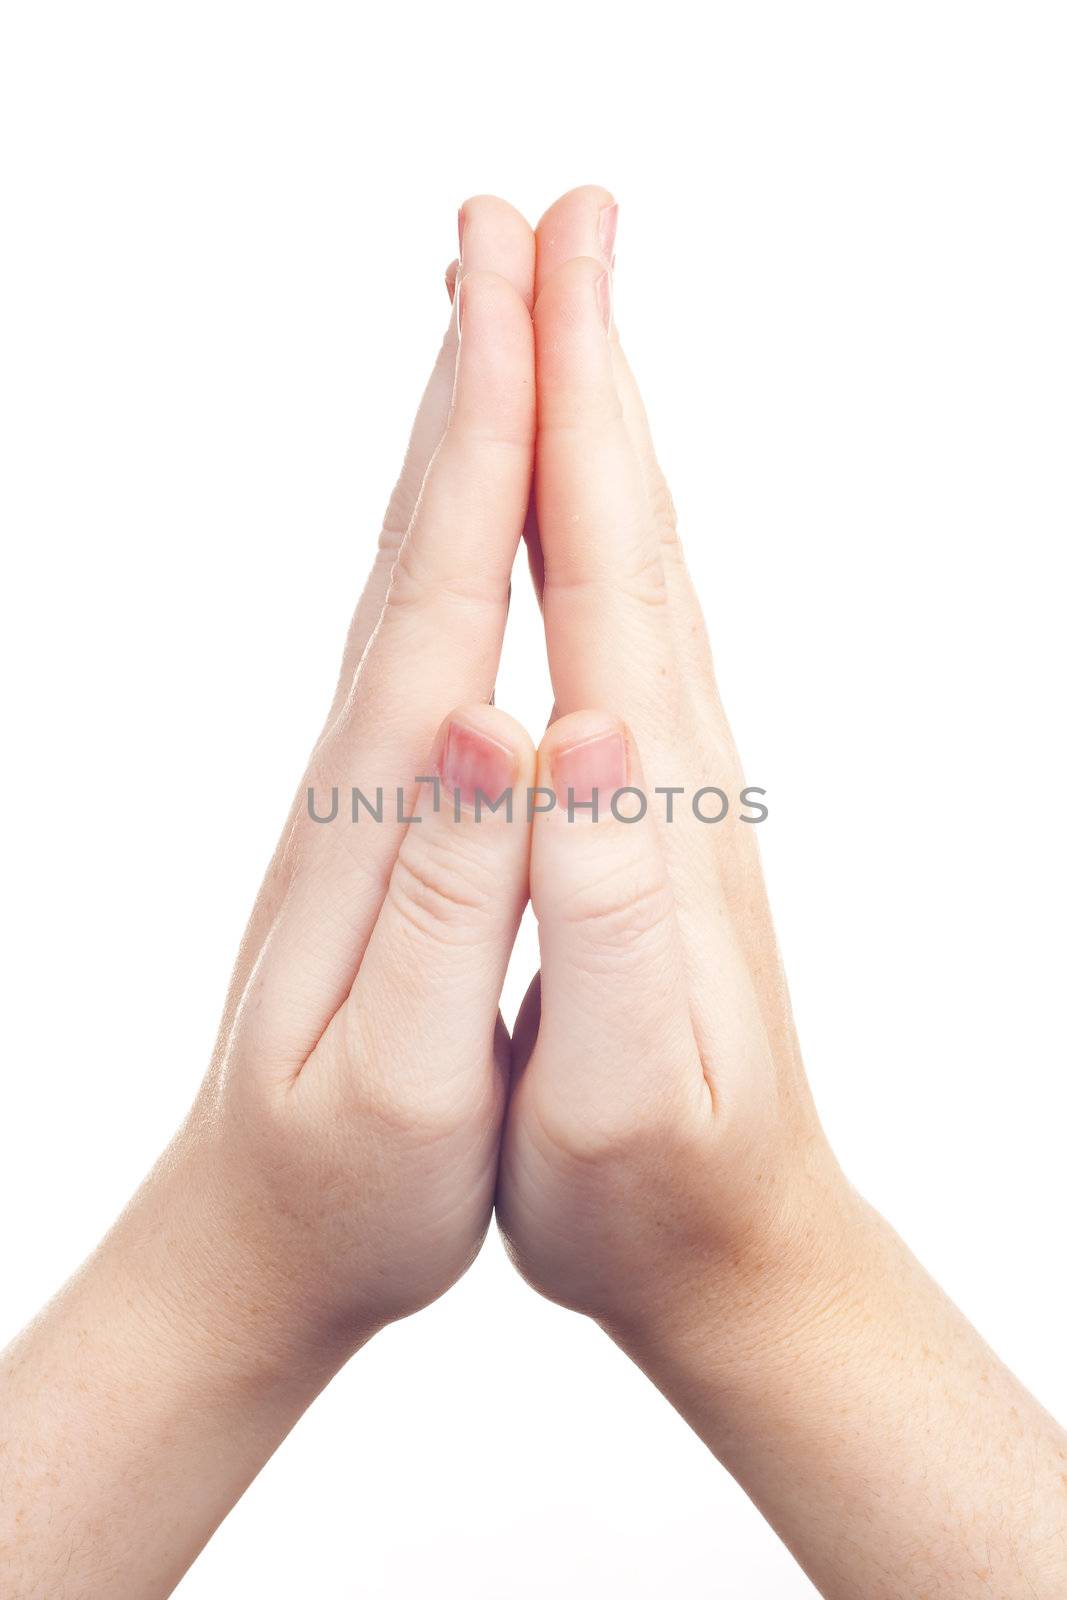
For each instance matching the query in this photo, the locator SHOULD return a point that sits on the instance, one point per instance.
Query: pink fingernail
(602, 288)
(607, 223)
(472, 763)
(599, 763)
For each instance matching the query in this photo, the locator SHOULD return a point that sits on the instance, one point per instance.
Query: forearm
(891, 1450)
(141, 1403)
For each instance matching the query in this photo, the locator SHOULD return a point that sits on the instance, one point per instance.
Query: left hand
(663, 1167)
(660, 1127)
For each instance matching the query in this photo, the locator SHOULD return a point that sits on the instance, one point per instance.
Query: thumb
(421, 1020)
(615, 1048)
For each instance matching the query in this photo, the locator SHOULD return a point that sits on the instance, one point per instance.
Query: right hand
(338, 1166)
(338, 1169)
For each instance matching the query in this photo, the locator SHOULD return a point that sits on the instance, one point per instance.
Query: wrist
(151, 1391)
(216, 1304)
(791, 1290)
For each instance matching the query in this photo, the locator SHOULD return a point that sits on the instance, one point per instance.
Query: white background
(842, 258)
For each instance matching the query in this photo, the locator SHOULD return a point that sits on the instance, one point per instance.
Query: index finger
(609, 637)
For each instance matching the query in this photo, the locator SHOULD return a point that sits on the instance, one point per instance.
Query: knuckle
(409, 581)
(647, 581)
(415, 582)
(414, 1111)
(627, 911)
(663, 513)
(398, 1094)
(395, 526)
(617, 1133)
(439, 893)
(396, 1103)
(606, 1141)
(479, 444)
(641, 579)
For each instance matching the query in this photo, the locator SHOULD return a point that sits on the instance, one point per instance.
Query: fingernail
(603, 299)
(451, 272)
(598, 763)
(607, 223)
(459, 229)
(472, 763)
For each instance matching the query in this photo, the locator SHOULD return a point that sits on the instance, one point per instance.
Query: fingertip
(498, 725)
(576, 207)
(587, 752)
(575, 726)
(490, 208)
(495, 237)
(580, 223)
(480, 747)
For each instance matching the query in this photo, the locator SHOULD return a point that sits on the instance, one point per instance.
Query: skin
(664, 1170)
(337, 1169)
(648, 1136)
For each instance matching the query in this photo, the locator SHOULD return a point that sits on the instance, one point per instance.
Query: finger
(584, 223)
(426, 432)
(711, 868)
(581, 223)
(614, 1029)
(666, 690)
(451, 275)
(608, 633)
(494, 237)
(419, 1025)
(437, 645)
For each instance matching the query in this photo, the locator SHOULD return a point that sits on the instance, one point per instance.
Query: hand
(338, 1167)
(348, 1129)
(661, 1132)
(663, 1167)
